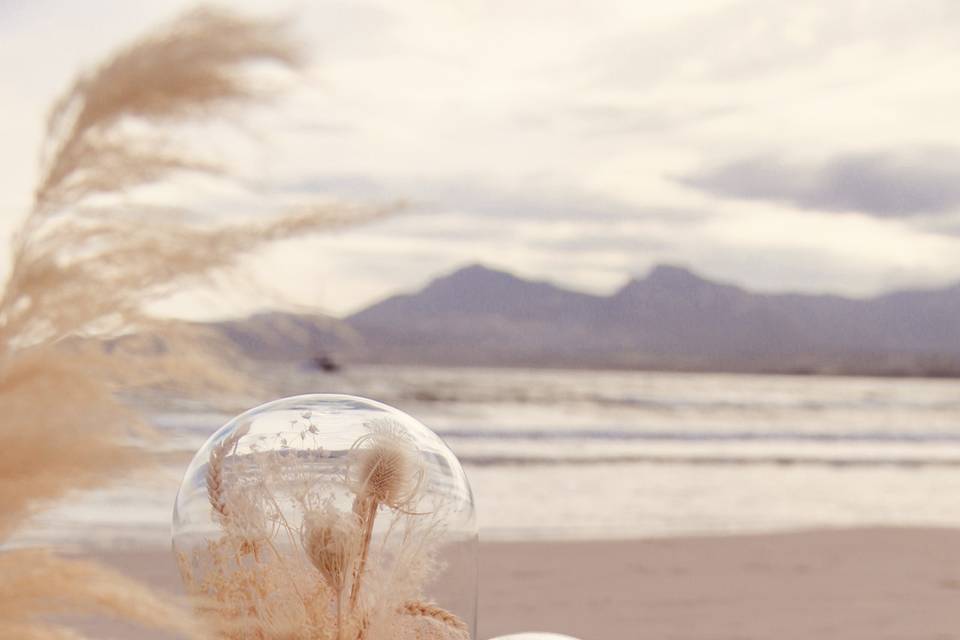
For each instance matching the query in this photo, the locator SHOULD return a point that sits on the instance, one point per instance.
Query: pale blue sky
(785, 146)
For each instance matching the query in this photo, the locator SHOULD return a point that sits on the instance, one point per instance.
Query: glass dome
(328, 517)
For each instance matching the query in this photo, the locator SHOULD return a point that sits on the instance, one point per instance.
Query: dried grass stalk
(35, 583)
(86, 260)
(61, 431)
(215, 487)
(193, 66)
(79, 267)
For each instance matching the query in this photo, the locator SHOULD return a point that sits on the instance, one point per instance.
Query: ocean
(567, 454)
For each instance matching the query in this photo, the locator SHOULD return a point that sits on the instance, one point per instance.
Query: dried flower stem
(386, 470)
(339, 615)
(367, 508)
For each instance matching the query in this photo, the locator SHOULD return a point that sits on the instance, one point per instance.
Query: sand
(862, 584)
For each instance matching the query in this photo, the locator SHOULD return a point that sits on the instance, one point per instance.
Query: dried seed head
(215, 471)
(426, 620)
(331, 539)
(385, 466)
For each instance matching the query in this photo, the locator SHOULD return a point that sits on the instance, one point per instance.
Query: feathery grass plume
(192, 67)
(78, 266)
(37, 583)
(86, 260)
(61, 431)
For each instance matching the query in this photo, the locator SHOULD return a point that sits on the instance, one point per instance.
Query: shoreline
(845, 584)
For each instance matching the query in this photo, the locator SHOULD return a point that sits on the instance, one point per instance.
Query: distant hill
(671, 319)
(223, 354)
(288, 336)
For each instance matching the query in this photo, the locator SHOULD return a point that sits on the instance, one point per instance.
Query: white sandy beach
(855, 584)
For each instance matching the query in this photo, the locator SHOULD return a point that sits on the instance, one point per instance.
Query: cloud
(883, 184)
(744, 40)
(618, 120)
(556, 153)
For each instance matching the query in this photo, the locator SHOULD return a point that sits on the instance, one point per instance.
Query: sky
(782, 146)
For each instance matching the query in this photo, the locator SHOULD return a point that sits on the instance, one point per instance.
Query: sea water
(564, 454)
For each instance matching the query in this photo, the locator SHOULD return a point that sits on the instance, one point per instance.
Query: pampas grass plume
(87, 259)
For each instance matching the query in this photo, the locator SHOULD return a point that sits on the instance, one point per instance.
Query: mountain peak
(665, 277)
(482, 291)
(477, 270)
(672, 276)
(472, 277)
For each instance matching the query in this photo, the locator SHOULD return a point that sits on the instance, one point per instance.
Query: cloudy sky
(807, 146)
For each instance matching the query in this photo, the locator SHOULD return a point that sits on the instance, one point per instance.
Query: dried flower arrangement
(87, 258)
(294, 553)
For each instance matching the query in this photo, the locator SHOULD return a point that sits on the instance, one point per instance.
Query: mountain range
(671, 319)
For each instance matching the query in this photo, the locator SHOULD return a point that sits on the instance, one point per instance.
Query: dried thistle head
(331, 540)
(385, 466)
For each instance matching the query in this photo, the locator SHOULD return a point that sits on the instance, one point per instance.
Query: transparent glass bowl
(328, 516)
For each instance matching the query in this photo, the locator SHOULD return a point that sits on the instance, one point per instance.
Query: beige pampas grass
(91, 252)
(36, 583)
(79, 266)
(61, 431)
(192, 67)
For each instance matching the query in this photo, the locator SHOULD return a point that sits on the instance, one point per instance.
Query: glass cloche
(328, 517)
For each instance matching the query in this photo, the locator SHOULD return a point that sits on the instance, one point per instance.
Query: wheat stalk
(434, 612)
(215, 487)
